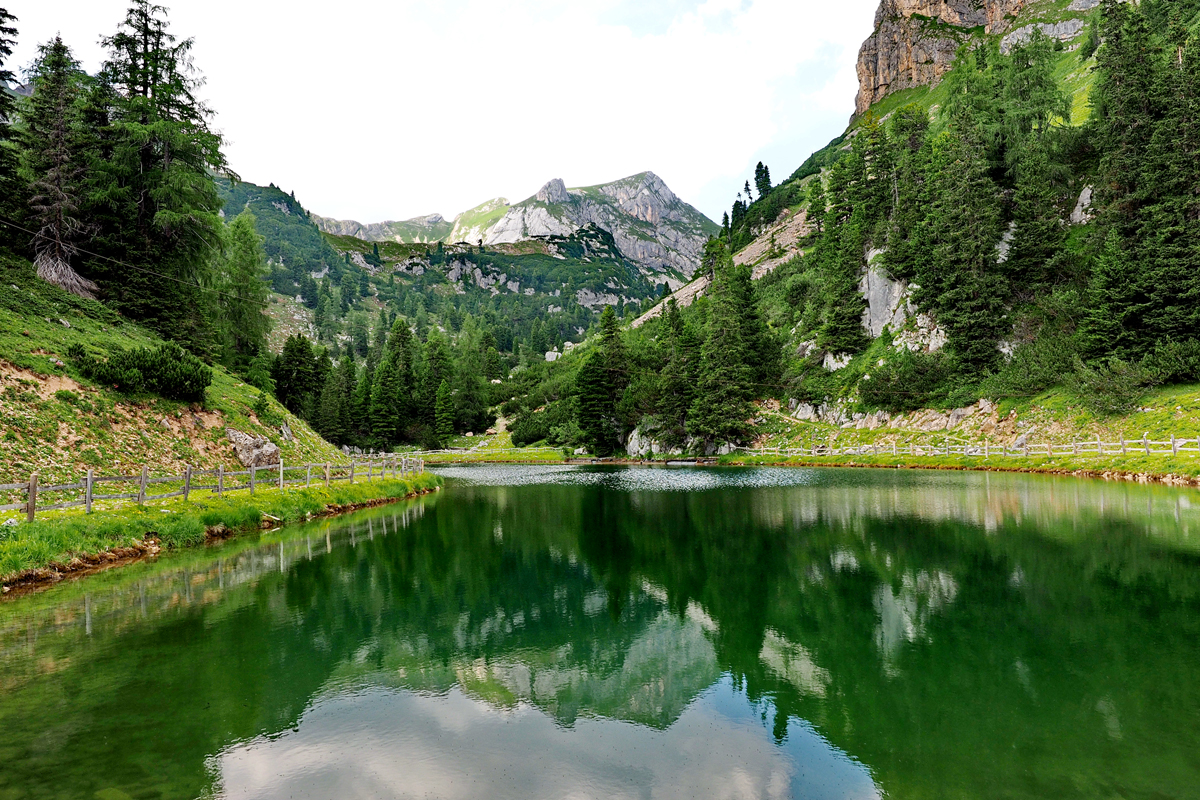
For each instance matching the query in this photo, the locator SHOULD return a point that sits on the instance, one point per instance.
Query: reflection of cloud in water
(403, 745)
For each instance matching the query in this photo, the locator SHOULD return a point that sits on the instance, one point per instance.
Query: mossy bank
(47, 550)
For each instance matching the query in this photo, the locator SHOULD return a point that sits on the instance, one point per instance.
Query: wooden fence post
(253, 476)
(308, 477)
(326, 474)
(142, 486)
(281, 473)
(369, 465)
(88, 490)
(220, 480)
(1025, 451)
(31, 498)
(1075, 447)
(1146, 442)
(1123, 444)
(187, 482)
(351, 473)
(1174, 446)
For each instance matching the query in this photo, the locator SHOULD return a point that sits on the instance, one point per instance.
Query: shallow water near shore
(578, 631)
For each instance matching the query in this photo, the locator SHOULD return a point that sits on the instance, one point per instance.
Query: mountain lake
(608, 632)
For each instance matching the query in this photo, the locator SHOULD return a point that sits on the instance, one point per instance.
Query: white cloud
(373, 110)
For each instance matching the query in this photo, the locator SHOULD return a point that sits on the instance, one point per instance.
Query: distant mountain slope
(649, 223)
(290, 238)
(430, 228)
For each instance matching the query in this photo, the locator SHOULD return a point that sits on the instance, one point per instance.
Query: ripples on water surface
(551, 632)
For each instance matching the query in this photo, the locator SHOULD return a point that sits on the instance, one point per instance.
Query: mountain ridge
(651, 225)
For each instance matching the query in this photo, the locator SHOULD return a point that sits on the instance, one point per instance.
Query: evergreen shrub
(1109, 387)
(1033, 368)
(906, 382)
(167, 370)
(1174, 362)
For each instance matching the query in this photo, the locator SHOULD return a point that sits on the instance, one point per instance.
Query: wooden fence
(1143, 446)
(84, 492)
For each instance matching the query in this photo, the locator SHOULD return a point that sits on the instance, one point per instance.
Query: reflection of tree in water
(949, 656)
(916, 646)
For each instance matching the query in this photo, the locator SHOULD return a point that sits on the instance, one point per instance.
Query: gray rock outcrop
(1083, 208)
(1063, 31)
(553, 192)
(887, 301)
(253, 451)
(648, 223)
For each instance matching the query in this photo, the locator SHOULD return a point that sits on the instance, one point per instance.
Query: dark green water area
(589, 632)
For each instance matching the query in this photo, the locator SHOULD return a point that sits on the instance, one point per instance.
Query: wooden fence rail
(1143, 446)
(82, 493)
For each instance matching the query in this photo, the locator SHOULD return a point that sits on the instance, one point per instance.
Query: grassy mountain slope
(58, 423)
(290, 237)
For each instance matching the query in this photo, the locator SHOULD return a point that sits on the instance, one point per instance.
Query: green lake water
(587, 632)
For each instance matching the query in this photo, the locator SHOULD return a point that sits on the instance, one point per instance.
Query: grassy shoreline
(41, 551)
(1172, 470)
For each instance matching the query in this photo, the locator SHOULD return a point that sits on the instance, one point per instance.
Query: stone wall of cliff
(915, 40)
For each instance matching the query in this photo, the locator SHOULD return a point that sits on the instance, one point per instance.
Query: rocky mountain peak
(553, 192)
(910, 47)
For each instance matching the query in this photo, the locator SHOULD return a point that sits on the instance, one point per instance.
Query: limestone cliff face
(915, 40)
(649, 223)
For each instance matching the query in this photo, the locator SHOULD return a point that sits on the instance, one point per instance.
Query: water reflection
(553, 632)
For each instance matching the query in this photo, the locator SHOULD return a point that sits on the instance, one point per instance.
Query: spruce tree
(245, 293)
(294, 373)
(680, 376)
(360, 405)
(391, 405)
(53, 163)
(1113, 302)
(616, 357)
(722, 405)
(596, 404)
(154, 180)
(436, 366)
(960, 281)
(905, 248)
(1037, 233)
(329, 419)
(762, 180)
(443, 412)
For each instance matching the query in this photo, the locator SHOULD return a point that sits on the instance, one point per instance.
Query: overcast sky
(374, 110)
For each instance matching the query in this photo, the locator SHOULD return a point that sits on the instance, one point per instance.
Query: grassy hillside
(58, 423)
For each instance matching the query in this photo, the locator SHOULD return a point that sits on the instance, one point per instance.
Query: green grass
(60, 537)
(496, 448)
(1056, 416)
(480, 218)
(56, 422)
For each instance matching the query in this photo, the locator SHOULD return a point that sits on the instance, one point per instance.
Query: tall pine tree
(52, 160)
(154, 177)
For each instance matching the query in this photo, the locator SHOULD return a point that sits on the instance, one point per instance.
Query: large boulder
(253, 451)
